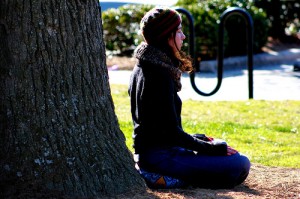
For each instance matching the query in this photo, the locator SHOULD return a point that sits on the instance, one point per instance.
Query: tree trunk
(59, 131)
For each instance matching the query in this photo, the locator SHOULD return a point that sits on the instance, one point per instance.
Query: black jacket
(156, 106)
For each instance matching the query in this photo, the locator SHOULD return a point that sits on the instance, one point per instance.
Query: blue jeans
(199, 170)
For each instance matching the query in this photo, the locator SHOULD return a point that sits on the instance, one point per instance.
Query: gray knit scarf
(152, 55)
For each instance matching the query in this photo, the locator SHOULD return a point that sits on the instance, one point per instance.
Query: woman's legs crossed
(200, 170)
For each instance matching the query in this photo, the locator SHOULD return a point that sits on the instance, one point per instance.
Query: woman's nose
(183, 36)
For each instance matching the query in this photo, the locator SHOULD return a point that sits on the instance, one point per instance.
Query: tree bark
(58, 127)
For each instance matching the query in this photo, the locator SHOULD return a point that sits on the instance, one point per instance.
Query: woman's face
(176, 41)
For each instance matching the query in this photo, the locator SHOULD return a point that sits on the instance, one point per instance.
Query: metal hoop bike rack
(220, 59)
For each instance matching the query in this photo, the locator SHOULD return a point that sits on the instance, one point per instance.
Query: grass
(266, 131)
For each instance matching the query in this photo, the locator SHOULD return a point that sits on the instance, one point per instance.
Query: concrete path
(271, 82)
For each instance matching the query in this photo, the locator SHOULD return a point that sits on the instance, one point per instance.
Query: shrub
(121, 27)
(284, 18)
(207, 14)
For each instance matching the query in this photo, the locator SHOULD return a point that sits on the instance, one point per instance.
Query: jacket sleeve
(200, 146)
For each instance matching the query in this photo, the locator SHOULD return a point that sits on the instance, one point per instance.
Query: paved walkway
(271, 82)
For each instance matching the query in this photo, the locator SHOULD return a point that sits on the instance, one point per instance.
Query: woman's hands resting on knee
(231, 151)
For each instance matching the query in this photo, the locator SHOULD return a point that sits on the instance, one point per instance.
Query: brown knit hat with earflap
(158, 23)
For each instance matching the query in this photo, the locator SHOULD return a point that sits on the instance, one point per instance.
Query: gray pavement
(274, 79)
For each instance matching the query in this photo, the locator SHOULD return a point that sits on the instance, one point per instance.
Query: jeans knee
(245, 163)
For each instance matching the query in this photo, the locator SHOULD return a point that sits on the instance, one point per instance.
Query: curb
(290, 56)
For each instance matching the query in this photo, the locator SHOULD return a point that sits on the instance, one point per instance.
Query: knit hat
(158, 23)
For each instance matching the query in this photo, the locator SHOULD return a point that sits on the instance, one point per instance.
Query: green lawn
(266, 131)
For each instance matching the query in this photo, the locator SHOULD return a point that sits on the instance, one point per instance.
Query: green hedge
(121, 27)
(207, 14)
(284, 16)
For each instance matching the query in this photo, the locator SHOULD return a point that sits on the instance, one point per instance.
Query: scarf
(152, 55)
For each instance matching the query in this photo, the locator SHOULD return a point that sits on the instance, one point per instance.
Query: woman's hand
(231, 151)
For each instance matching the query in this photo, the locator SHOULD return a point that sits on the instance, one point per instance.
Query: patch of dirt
(262, 182)
(274, 45)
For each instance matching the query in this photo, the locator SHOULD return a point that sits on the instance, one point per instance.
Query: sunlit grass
(266, 131)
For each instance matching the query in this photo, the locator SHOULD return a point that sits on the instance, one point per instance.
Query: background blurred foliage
(284, 17)
(121, 25)
(207, 14)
